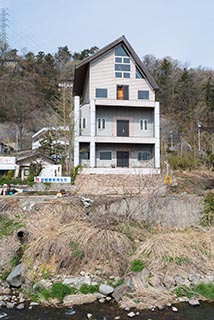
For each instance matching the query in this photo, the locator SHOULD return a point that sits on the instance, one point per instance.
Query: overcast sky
(182, 29)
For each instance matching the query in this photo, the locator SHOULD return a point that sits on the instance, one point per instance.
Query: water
(108, 311)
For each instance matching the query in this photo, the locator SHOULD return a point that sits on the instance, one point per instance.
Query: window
(143, 94)
(101, 123)
(101, 93)
(122, 92)
(143, 124)
(84, 155)
(105, 155)
(144, 155)
(122, 63)
(83, 123)
(138, 74)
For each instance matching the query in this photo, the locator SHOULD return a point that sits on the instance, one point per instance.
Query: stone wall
(118, 184)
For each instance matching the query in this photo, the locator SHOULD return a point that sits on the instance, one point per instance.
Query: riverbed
(109, 311)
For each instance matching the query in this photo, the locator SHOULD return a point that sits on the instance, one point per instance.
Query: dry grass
(179, 252)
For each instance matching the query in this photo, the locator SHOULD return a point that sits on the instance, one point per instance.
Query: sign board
(7, 163)
(53, 179)
(167, 179)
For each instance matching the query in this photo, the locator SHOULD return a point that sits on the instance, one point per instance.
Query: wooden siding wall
(102, 75)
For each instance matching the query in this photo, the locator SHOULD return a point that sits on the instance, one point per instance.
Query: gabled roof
(82, 66)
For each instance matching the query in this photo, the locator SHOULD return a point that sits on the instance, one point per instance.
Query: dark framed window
(143, 94)
(126, 60)
(105, 155)
(101, 93)
(144, 155)
(118, 74)
(120, 51)
(84, 155)
(139, 74)
(144, 124)
(101, 123)
(118, 59)
(122, 67)
(83, 123)
(122, 92)
(126, 75)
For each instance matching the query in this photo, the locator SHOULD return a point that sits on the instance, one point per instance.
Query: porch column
(92, 133)
(76, 129)
(157, 134)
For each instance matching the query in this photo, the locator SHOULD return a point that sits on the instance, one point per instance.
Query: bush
(137, 265)
(184, 163)
(207, 214)
(202, 289)
(88, 288)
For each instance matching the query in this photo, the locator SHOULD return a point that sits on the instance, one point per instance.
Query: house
(116, 117)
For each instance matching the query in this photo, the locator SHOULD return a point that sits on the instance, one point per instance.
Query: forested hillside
(35, 92)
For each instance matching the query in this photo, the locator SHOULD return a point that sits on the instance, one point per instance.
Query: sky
(181, 29)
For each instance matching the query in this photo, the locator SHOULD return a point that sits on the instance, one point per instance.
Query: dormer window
(122, 63)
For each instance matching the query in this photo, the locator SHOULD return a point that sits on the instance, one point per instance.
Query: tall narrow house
(116, 117)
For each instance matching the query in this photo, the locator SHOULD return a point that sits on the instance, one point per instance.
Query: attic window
(138, 74)
(122, 65)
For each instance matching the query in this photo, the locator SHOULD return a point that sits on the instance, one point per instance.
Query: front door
(122, 128)
(122, 159)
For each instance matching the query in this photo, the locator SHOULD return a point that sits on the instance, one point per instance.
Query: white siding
(102, 75)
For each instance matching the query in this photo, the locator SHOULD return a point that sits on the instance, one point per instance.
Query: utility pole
(3, 29)
(199, 136)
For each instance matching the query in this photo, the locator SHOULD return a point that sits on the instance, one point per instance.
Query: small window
(122, 67)
(122, 92)
(118, 74)
(138, 74)
(126, 60)
(144, 155)
(143, 94)
(120, 51)
(82, 123)
(101, 123)
(118, 59)
(126, 75)
(84, 155)
(101, 93)
(144, 124)
(105, 155)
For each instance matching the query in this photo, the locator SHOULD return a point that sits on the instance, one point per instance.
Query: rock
(137, 313)
(89, 315)
(126, 308)
(187, 283)
(20, 306)
(117, 318)
(108, 298)
(10, 305)
(168, 282)
(131, 314)
(78, 299)
(194, 302)
(6, 291)
(102, 300)
(174, 309)
(32, 304)
(82, 273)
(70, 312)
(155, 281)
(106, 289)
(15, 277)
(2, 315)
(100, 295)
(46, 284)
(196, 279)
(178, 280)
(2, 304)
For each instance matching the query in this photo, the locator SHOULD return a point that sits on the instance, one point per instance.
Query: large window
(139, 74)
(143, 94)
(143, 124)
(105, 155)
(122, 92)
(122, 63)
(101, 93)
(101, 123)
(84, 155)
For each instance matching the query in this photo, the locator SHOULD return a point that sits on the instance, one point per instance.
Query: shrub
(202, 289)
(60, 290)
(137, 265)
(88, 288)
(76, 251)
(207, 214)
(184, 163)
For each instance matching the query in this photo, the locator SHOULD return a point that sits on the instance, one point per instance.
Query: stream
(109, 311)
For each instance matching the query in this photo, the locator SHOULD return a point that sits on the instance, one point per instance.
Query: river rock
(194, 302)
(131, 314)
(2, 304)
(102, 300)
(15, 277)
(20, 306)
(6, 291)
(10, 305)
(78, 299)
(106, 289)
(174, 309)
